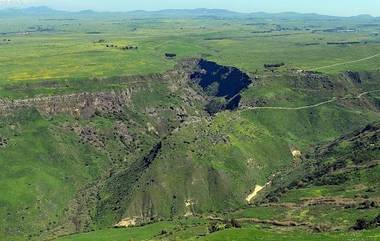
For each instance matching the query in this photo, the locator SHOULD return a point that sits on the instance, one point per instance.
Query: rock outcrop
(78, 104)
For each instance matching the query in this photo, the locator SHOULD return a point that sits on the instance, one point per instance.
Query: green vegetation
(141, 233)
(254, 234)
(162, 231)
(99, 129)
(67, 49)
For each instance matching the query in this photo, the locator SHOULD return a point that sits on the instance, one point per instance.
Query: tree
(215, 105)
(361, 224)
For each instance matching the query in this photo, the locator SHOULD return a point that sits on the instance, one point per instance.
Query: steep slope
(350, 211)
(211, 165)
(55, 150)
(122, 193)
(91, 148)
(347, 167)
(142, 149)
(334, 189)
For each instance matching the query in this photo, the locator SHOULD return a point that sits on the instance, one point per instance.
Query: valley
(188, 126)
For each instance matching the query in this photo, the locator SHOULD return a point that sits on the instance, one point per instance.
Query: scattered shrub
(362, 224)
(235, 223)
(215, 105)
(268, 66)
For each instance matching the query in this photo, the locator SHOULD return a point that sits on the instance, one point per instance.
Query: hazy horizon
(326, 7)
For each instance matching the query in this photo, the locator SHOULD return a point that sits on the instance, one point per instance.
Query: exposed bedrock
(78, 104)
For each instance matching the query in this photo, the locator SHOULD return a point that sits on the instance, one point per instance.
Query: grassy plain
(68, 49)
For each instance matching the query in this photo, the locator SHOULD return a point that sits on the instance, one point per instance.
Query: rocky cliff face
(215, 80)
(79, 105)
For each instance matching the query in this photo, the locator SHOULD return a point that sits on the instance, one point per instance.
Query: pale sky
(330, 7)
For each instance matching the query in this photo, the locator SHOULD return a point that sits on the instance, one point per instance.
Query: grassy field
(48, 49)
(154, 232)
(254, 234)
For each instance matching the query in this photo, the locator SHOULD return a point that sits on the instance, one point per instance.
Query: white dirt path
(334, 99)
(348, 62)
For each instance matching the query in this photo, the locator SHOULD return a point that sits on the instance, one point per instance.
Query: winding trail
(289, 108)
(334, 99)
(366, 93)
(348, 62)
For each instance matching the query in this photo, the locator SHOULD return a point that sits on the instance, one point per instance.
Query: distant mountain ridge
(44, 10)
(38, 10)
